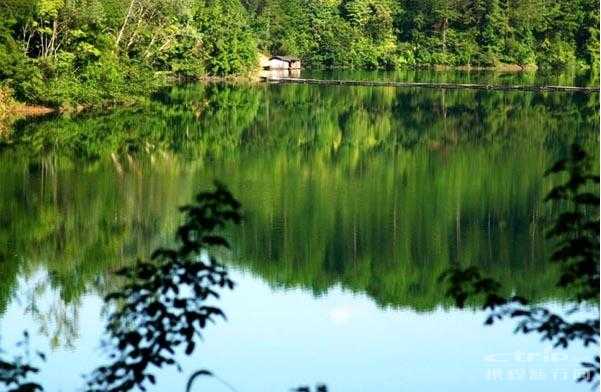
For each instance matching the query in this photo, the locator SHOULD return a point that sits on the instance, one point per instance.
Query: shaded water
(355, 199)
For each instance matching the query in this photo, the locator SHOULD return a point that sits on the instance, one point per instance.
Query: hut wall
(278, 64)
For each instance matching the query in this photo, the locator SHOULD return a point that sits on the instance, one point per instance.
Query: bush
(404, 54)
(518, 52)
(17, 71)
(184, 57)
(556, 53)
(7, 100)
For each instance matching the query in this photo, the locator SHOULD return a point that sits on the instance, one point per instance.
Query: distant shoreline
(442, 86)
(501, 67)
(23, 109)
(509, 68)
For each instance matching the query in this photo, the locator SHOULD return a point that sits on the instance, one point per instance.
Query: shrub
(556, 53)
(7, 100)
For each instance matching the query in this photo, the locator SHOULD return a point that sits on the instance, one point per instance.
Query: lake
(355, 200)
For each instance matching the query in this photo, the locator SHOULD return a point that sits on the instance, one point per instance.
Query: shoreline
(500, 68)
(32, 110)
(24, 110)
(434, 85)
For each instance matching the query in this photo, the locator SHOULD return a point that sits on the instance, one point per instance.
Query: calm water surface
(355, 200)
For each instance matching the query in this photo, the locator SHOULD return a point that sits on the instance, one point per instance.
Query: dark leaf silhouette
(162, 305)
(304, 388)
(15, 373)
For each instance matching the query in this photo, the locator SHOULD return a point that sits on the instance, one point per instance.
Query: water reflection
(371, 191)
(387, 226)
(570, 77)
(280, 73)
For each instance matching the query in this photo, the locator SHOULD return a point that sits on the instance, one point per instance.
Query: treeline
(389, 33)
(67, 52)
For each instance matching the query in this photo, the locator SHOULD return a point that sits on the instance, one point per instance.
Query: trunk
(149, 48)
(134, 35)
(164, 46)
(41, 38)
(124, 25)
(58, 44)
(43, 44)
(27, 37)
(53, 38)
(445, 24)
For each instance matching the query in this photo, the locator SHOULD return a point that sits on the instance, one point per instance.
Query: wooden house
(282, 62)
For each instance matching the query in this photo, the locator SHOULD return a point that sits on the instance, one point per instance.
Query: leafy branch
(164, 305)
(15, 373)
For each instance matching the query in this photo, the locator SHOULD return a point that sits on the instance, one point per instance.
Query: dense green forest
(87, 52)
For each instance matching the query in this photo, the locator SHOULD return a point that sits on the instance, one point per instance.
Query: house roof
(284, 58)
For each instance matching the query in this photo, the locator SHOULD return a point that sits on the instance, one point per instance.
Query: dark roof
(284, 58)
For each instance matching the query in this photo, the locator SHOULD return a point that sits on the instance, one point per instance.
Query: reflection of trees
(388, 225)
(80, 223)
(57, 319)
(575, 233)
(374, 188)
(218, 119)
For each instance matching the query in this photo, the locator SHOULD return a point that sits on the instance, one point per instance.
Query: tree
(373, 18)
(229, 46)
(492, 30)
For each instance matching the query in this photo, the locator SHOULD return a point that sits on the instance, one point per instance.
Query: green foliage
(229, 45)
(557, 54)
(357, 33)
(16, 69)
(70, 53)
(489, 32)
(184, 55)
(93, 52)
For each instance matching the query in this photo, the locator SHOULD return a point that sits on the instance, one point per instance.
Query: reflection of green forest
(198, 120)
(375, 189)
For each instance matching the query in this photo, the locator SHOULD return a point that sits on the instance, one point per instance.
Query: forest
(78, 53)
